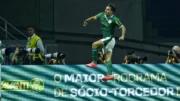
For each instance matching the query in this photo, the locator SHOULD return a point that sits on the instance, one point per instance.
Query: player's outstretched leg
(95, 46)
(109, 67)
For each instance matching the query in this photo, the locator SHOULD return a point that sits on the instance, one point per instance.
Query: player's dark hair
(113, 7)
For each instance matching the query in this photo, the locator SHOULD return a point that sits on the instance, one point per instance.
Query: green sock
(94, 54)
(109, 67)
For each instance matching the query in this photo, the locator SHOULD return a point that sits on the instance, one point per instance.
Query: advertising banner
(147, 82)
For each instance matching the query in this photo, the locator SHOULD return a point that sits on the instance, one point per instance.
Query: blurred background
(153, 26)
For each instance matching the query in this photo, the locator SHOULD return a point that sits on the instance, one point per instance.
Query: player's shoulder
(101, 13)
(115, 17)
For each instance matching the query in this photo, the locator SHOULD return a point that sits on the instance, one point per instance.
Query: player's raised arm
(89, 19)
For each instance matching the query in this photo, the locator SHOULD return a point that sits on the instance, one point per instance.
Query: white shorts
(109, 43)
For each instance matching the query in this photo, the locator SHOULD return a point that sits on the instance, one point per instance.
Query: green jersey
(108, 24)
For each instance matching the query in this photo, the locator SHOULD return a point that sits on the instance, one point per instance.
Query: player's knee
(94, 45)
(107, 60)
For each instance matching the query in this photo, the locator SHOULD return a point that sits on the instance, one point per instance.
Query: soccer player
(108, 23)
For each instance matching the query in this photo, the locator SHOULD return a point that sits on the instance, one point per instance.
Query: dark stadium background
(150, 23)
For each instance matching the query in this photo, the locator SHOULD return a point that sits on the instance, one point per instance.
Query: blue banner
(147, 82)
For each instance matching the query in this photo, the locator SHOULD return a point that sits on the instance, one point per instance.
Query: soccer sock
(109, 68)
(94, 54)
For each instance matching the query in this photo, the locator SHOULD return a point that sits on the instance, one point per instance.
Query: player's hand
(85, 23)
(121, 38)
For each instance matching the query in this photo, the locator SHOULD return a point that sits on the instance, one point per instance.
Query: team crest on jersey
(109, 21)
